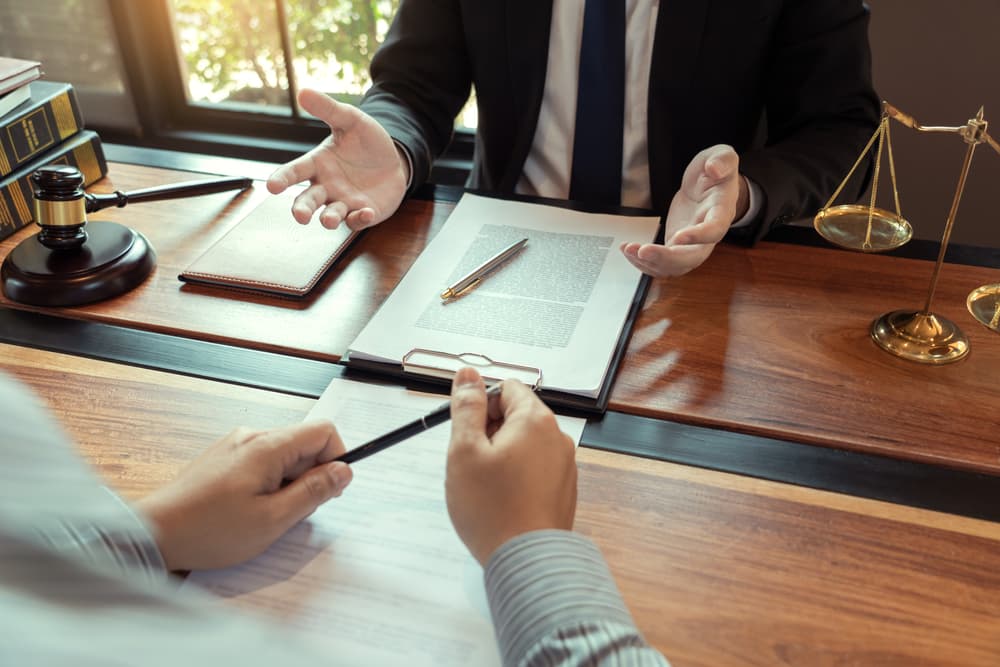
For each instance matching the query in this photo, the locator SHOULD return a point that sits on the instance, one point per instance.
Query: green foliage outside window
(232, 48)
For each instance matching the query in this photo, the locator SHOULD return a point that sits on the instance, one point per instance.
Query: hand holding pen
(406, 431)
(511, 470)
(475, 276)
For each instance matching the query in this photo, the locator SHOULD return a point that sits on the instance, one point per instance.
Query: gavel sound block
(71, 262)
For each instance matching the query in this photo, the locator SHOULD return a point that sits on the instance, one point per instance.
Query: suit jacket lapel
(528, 24)
(680, 26)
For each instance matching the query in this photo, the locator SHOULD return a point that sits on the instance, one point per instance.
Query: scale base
(918, 336)
(984, 304)
(113, 260)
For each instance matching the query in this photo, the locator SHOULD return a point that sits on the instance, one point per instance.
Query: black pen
(438, 416)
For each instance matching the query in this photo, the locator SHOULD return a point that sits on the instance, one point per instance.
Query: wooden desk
(717, 569)
(770, 341)
(180, 230)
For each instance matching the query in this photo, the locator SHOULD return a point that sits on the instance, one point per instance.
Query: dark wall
(939, 62)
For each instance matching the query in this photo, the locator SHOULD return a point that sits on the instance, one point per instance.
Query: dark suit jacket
(787, 83)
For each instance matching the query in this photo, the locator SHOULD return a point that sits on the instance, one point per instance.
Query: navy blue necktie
(600, 105)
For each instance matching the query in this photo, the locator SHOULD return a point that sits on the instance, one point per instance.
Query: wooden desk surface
(771, 340)
(717, 569)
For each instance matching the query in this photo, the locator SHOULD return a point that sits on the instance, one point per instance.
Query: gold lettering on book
(27, 129)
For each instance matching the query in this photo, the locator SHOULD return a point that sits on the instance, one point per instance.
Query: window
(75, 41)
(234, 52)
(211, 76)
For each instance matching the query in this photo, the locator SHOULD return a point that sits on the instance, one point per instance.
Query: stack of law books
(40, 124)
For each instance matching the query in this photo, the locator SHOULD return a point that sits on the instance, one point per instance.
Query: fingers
(721, 162)
(515, 398)
(314, 197)
(468, 411)
(710, 167)
(301, 498)
(361, 218)
(298, 170)
(333, 214)
(304, 452)
(293, 450)
(306, 203)
(661, 261)
(711, 229)
(339, 117)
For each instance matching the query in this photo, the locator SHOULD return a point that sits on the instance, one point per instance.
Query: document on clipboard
(556, 315)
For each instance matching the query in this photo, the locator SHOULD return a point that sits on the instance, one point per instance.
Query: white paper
(564, 298)
(377, 575)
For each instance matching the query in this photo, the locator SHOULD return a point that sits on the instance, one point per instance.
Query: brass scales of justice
(919, 335)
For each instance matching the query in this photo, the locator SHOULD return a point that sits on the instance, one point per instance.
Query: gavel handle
(175, 191)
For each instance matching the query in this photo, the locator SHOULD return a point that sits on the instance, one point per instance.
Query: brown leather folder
(268, 251)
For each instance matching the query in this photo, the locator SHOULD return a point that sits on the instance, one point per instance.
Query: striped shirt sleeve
(127, 547)
(554, 602)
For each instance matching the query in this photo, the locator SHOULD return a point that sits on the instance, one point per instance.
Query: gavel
(61, 205)
(70, 262)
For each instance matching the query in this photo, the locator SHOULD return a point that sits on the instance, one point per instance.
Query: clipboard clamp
(423, 361)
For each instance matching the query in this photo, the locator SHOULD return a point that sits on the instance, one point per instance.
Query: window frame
(168, 121)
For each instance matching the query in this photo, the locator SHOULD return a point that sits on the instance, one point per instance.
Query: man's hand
(510, 469)
(357, 173)
(713, 195)
(243, 493)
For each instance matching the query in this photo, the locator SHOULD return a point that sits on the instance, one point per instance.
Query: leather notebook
(268, 251)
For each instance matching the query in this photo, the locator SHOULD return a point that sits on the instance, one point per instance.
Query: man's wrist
(406, 163)
(748, 204)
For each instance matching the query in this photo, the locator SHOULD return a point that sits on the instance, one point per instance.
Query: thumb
(337, 116)
(721, 162)
(310, 490)
(468, 410)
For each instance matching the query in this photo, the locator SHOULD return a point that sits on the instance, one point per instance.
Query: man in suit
(738, 116)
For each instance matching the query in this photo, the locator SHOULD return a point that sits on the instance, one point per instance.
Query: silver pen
(483, 270)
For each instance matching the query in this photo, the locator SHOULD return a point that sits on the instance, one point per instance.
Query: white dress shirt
(548, 168)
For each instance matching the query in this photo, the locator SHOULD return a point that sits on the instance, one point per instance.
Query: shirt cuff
(135, 548)
(544, 580)
(753, 207)
(404, 151)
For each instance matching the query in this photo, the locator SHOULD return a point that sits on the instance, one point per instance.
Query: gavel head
(60, 207)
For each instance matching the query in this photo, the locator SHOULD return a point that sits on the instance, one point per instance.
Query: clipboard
(437, 368)
(434, 366)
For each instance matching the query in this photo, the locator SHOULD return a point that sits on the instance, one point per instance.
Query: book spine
(17, 206)
(38, 128)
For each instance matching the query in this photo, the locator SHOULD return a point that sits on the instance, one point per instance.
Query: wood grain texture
(774, 340)
(181, 230)
(717, 569)
(771, 340)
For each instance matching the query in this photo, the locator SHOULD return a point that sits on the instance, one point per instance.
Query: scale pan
(847, 226)
(984, 304)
